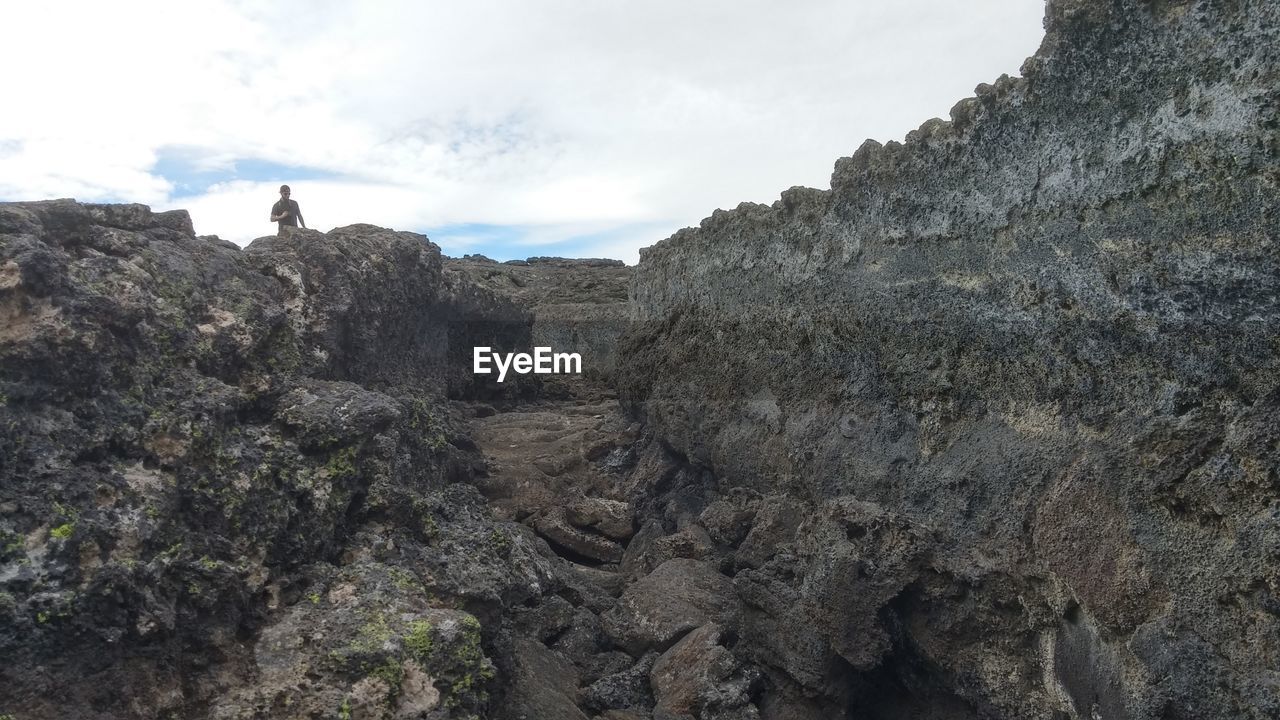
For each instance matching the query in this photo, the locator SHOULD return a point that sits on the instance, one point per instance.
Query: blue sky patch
(495, 241)
(516, 242)
(192, 171)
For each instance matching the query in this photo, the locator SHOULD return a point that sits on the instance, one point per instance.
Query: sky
(512, 128)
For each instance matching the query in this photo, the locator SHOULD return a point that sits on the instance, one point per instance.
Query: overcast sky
(508, 127)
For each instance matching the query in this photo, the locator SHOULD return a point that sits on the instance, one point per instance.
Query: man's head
(284, 191)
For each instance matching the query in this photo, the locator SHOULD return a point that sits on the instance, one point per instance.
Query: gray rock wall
(577, 305)
(1039, 339)
(195, 437)
(591, 330)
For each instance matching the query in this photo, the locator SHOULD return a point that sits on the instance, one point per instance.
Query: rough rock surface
(264, 483)
(678, 596)
(1008, 390)
(229, 478)
(579, 305)
(986, 431)
(699, 677)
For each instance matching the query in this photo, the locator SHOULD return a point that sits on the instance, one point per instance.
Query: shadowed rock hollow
(577, 305)
(987, 430)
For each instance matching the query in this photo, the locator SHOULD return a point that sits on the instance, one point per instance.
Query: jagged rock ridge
(1003, 401)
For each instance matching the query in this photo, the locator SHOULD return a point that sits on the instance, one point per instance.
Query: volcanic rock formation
(1003, 403)
(988, 430)
(220, 468)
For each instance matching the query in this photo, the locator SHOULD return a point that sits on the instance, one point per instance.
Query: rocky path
(556, 467)
(641, 633)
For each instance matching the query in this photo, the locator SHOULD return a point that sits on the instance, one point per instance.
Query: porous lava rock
(986, 430)
(199, 440)
(578, 304)
(1018, 373)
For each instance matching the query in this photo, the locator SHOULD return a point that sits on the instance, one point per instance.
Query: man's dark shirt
(292, 207)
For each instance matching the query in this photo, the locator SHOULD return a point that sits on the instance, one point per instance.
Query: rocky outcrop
(988, 429)
(246, 483)
(227, 478)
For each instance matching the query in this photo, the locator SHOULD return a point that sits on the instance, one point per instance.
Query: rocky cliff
(996, 415)
(228, 478)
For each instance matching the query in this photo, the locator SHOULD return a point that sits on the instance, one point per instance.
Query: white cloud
(554, 114)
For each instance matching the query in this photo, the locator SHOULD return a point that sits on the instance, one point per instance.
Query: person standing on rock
(286, 211)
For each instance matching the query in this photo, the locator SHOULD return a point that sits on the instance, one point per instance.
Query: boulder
(608, 517)
(543, 685)
(679, 596)
(555, 527)
(627, 689)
